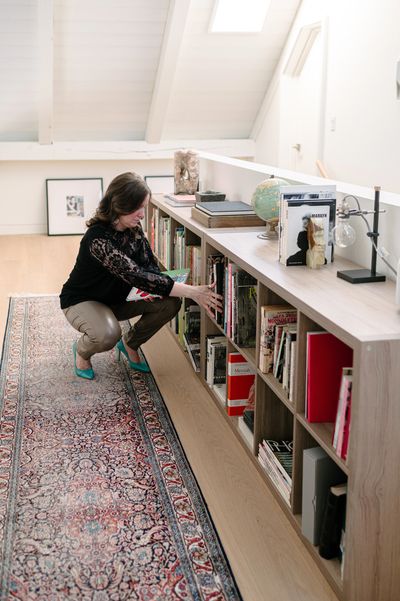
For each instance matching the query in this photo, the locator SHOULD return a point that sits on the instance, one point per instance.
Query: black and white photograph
(70, 203)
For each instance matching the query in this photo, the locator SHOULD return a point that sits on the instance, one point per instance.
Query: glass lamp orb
(343, 234)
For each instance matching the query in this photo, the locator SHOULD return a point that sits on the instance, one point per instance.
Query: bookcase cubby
(367, 321)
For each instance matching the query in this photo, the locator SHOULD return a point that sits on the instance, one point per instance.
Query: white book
(220, 392)
(246, 432)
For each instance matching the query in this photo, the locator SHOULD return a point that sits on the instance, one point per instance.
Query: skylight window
(239, 15)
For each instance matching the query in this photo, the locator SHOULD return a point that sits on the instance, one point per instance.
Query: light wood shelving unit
(364, 317)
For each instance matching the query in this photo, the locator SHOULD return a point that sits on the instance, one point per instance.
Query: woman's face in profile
(132, 219)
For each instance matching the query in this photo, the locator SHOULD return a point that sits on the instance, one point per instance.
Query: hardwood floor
(268, 559)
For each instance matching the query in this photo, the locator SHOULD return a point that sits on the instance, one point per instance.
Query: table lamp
(344, 235)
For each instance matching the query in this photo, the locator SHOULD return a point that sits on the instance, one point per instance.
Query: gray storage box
(209, 195)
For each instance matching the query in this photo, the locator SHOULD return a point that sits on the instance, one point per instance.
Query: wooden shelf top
(183, 215)
(355, 312)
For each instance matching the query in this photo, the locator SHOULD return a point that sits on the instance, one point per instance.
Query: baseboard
(17, 228)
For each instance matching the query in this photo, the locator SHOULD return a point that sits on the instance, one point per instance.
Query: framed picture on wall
(70, 203)
(160, 184)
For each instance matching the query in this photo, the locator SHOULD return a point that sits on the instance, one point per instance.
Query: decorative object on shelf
(315, 255)
(186, 171)
(344, 236)
(160, 184)
(70, 203)
(209, 195)
(265, 201)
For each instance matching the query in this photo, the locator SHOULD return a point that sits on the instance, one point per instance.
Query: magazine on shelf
(178, 275)
(180, 200)
(301, 206)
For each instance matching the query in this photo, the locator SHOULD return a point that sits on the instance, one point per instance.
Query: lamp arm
(344, 212)
(373, 237)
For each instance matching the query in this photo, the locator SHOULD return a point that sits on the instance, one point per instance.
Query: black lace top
(109, 263)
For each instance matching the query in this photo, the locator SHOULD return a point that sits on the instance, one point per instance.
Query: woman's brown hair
(125, 194)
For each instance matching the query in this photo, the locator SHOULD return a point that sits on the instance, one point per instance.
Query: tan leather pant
(100, 328)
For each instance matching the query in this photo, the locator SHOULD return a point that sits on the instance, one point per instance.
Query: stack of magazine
(180, 200)
(276, 457)
(306, 219)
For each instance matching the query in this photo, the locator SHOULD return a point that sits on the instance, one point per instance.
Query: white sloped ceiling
(107, 58)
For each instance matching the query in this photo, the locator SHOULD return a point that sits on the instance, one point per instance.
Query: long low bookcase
(366, 319)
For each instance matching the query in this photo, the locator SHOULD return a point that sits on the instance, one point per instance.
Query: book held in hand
(178, 275)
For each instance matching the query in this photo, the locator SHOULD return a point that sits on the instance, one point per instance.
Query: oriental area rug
(97, 500)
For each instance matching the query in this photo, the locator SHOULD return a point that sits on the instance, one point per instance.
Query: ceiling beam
(45, 43)
(112, 151)
(169, 56)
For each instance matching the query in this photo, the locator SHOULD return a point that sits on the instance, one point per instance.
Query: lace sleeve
(121, 266)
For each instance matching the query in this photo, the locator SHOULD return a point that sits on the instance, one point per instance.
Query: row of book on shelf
(324, 489)
(307, 216)
(183, 255)
(324, 509)
(239, 292)
(328, 360)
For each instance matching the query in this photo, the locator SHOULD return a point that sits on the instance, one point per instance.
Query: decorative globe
(265, 202)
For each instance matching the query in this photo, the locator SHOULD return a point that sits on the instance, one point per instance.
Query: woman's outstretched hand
(205, 296)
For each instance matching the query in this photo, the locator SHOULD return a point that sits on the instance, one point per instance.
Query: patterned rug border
(195, 490)
(200, 505)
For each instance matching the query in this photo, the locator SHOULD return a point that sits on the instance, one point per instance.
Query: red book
(240, 379)
(326, 356)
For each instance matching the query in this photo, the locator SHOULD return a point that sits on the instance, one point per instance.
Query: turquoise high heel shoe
(120, 348)
(88, 374)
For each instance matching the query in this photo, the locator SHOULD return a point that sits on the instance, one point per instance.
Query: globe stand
(271, 231)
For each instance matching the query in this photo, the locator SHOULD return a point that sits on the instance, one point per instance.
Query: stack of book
(276, 457)
(225, 214)
(278, 335)
(320, 472)
(180, 200)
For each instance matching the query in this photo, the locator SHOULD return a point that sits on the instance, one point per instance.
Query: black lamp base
(360, 276)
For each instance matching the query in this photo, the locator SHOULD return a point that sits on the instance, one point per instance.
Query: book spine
(240, 379)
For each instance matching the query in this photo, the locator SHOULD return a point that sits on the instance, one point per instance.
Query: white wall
(363, 50)
(23, 186)
(238, 180)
